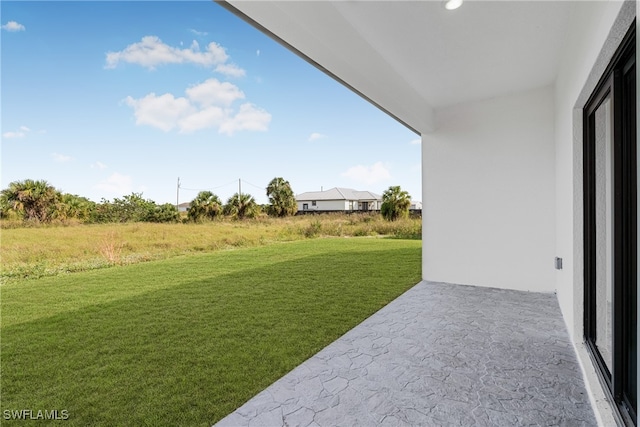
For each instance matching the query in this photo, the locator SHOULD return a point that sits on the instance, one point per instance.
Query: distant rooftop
(338, 194)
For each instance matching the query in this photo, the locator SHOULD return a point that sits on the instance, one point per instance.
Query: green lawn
(185, 341)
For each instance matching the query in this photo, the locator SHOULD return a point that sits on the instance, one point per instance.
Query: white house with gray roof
(338, 199)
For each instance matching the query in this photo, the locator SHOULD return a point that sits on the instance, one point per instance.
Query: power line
(208, 189)
(258, 187)
(180, 187)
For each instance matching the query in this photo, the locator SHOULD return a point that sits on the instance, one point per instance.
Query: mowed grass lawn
(187, 340)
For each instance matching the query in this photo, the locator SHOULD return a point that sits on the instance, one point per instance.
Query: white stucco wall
(489, 187)
(590, 43)
(591, 24)
(325, 205)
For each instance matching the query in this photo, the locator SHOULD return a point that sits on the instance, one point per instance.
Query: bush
(313, 229)
(131, 208)
(164, 213)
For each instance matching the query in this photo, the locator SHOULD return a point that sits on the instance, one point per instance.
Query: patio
(440, 354)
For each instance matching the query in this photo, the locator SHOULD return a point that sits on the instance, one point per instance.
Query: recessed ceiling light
(452, 4)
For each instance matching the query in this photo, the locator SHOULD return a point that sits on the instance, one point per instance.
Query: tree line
(39, 202)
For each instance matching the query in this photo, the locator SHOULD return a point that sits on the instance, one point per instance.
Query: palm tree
(206, 205)
(71, 206)
(395, 203)
(241, 206)
(33, 200)
(281, 198)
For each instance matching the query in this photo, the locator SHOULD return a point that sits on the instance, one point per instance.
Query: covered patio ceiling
(412, 57)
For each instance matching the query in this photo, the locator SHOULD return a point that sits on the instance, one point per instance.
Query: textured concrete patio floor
(440, 354)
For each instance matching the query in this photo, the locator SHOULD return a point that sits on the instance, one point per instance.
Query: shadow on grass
(191, 353)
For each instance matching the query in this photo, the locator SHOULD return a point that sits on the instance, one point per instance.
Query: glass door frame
(612, 86)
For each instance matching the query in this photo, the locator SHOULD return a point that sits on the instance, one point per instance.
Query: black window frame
(614, 86)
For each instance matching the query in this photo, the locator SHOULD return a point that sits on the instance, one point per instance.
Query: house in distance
(338, 200)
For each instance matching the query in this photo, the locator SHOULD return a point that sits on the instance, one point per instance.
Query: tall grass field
(214, 314)
(31, 252)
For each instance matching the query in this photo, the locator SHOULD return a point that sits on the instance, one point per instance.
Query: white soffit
(411, 57)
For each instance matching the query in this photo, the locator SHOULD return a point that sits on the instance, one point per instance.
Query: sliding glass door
(610, 196)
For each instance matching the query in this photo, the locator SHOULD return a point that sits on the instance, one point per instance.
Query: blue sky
(102, 99)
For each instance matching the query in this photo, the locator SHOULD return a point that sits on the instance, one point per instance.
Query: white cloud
(20, 133)
(199, 33)
(416, 141)
(61, 158)
(249, 117)
(162, 112)
(98, 165)
(116, 184)
(213, 92)
(315, 136)
(207, 118)
(151, 52)
(368, 174)
(10, 135)
(13, 26)
(258, 52)
(231, 70)
(206, 105)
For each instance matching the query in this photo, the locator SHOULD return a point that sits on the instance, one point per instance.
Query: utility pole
(239, 189)
(178, 196)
